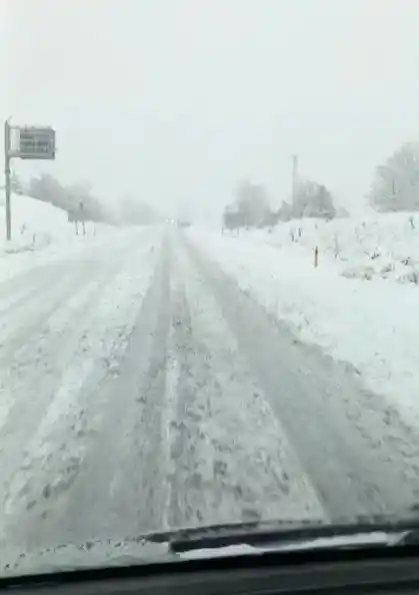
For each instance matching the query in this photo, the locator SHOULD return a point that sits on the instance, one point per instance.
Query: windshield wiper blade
(233, 528)
(404, 520)
(265, 535)
(410, 537)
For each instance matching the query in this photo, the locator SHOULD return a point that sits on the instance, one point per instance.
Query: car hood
(137, 551)
(92, 554)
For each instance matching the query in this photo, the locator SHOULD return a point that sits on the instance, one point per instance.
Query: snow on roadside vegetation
(38, 230)
(368, 246)
(373, 324)
(34, 224)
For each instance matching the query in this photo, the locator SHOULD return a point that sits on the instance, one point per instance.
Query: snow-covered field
(360, 304)
(35, 223)
(370, 246)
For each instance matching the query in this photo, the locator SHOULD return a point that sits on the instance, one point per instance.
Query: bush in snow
(312, 200)
(342, 213)
(47, 189)
(250, 208)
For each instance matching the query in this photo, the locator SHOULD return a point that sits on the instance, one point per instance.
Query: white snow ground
(140, 389)
(360, 309)
(39, 232)
(119, 411)
(107, 405)
(367, 246)
(64, 325)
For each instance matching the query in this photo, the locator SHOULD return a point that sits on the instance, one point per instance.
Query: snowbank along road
(141, 389)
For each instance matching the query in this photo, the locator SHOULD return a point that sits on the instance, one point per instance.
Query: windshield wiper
(216, 540)
(290, 535)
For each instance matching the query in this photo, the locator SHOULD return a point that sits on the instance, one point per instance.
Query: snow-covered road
(142, 389)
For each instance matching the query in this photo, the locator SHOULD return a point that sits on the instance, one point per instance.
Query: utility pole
(7, 179)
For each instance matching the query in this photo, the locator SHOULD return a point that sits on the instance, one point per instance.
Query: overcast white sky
(174, 101)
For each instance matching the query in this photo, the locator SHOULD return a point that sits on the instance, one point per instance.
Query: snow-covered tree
(252, 203)
(233, 218)
(396, 183)
(312, 200)
(342, 212)
(48, 189)
(283, 213)
(16, 185)
(76, 199)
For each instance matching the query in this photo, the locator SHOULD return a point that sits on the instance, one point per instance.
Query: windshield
(209, 268)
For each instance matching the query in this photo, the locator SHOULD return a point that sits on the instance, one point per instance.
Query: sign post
(7, 179)
(32, 143)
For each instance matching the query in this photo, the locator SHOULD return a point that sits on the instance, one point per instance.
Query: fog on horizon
(176, 101)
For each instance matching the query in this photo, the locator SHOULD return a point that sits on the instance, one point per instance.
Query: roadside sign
(35, 143)
(24, 142)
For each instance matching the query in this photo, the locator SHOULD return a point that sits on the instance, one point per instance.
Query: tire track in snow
(26, 279)
(64, 280)
(231, 460)
(114, 489)
(141, 482)
(30, 383)
(18, 290)
(24, 293)
(58, 443)
(350, 453)
(28, 319)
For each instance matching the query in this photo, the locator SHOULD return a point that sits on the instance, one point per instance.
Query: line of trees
(395, 187)
(81, 205)
(76, 199)
(251, 207)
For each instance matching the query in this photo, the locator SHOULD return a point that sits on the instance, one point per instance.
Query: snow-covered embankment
(373, 324)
